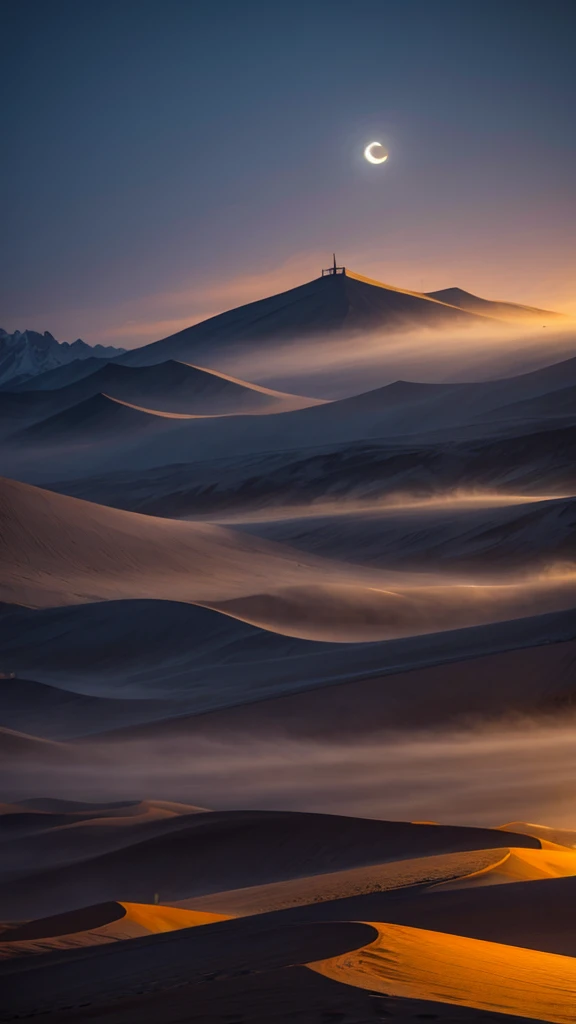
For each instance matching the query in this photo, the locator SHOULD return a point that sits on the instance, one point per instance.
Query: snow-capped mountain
(25, 354)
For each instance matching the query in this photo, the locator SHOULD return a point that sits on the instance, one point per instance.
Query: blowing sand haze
(288, 534)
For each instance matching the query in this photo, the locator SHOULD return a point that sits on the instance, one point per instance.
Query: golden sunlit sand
(127, 921)
(417, 964)
(522, 866)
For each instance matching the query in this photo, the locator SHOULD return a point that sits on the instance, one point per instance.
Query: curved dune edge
(414, 963)
(251, 386)
(548, 835)
(125, 921)
(350, 882)
(520, 865)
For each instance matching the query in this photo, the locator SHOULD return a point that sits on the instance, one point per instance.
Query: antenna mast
(334, 269)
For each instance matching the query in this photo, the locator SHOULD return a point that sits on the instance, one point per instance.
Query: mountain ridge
(26, 354)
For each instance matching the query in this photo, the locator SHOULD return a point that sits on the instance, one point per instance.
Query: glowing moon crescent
(370, 156)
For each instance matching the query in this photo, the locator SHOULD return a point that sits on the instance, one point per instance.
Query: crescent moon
(370, 155)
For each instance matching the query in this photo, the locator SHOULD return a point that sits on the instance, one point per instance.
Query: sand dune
(95, 979)
(560, 836)
(359, 613)
(560, 403)
(18, 746)
(51, 712)
(96, 419)
(535, 915)
(113, 553)
(79, 552)
(98, 925)
(32, 816)
(334, 885)
(419, 964)
(328, 304)
(540, 463)
(489, 307)
(170, 387)
(268, 847)
(403, 410)
(29, 845)
(198, 660)
(522, 681)
(452, 534)
(520, 866)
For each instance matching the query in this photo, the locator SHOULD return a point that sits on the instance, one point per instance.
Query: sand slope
(267, 847)
(171, 387)
(560, 836)
(520, 866)
(419, 964)
(538, 462)
(62, 550)
(58, 840)
(324, 305)
(455, 533)
(334, 885)
(489, 307)
(400, 410)
(199, 660)
(98, 925)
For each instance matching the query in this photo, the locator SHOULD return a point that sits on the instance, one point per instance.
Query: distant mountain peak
(25, 354)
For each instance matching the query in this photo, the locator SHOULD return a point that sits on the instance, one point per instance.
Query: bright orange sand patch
(126, 921)
(520, 865)
(415, 963)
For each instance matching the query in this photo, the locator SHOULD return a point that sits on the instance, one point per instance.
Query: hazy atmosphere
(288, 512)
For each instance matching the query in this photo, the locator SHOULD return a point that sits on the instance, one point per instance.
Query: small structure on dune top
(329, 271)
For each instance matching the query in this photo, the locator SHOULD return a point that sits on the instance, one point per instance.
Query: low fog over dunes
(80, 552)
(170, 387)
(355, 616)
(338, 303)
(81, 443)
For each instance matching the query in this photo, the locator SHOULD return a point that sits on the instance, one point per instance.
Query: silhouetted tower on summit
(329, 271)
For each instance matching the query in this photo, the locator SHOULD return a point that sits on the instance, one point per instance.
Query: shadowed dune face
(194, 860)
(98, 925)
(82, 409)
(100, 434)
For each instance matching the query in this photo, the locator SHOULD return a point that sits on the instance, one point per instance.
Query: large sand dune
(328, 304)
(489, 307)
(31, 843)
(99, 925)
(62, 550)
(201, 660)
(170, 387)
(419, 964)
(94, 437)
(538, 463)
(456, 534)
(267, 847)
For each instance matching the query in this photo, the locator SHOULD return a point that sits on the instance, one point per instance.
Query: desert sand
(285, 680)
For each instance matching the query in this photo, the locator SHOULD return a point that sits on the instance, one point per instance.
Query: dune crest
(417, 964)
(80, 928)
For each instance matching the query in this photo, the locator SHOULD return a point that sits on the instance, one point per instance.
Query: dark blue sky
(163, 160)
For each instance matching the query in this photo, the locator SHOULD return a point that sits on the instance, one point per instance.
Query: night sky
(166, 160)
